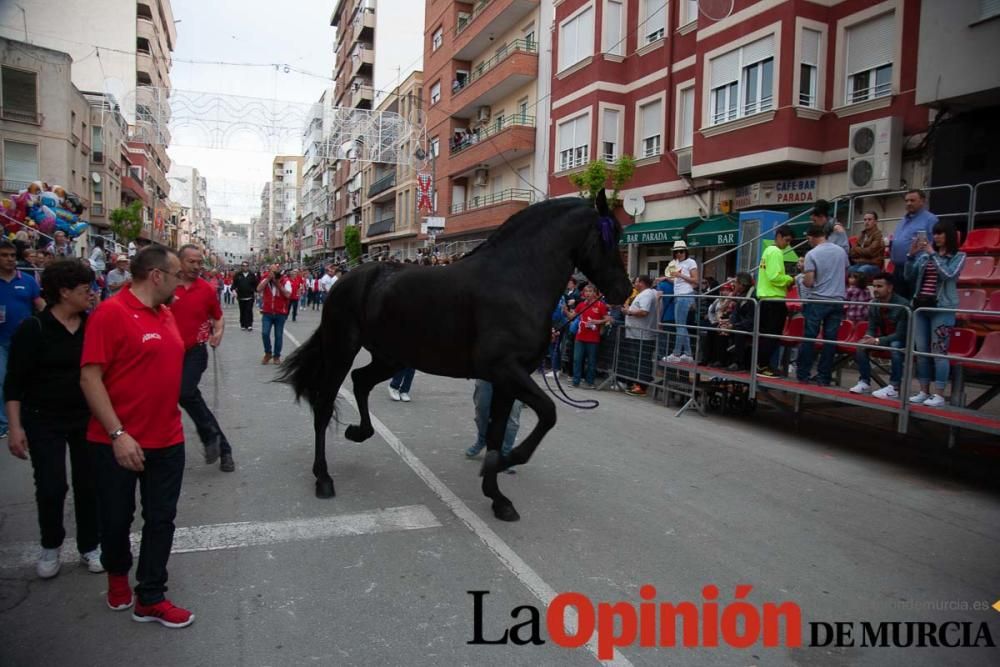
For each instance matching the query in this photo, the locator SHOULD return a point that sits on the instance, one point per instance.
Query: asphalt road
(616, 498)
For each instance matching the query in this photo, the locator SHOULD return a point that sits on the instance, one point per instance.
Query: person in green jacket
(772, 287)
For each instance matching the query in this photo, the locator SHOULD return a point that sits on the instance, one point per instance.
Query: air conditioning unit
(874, 155)
(483, 114)
(684, 163)
(482, 177)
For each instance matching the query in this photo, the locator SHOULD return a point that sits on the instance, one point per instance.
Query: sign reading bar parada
(770, 193)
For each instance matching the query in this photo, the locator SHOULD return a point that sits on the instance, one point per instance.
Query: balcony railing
(383, 226)
(382, 184)
(509, 49)
(495, 198)
(97, 209)
(476, 11)
(14, 186)
(21, 115)
(496, 127)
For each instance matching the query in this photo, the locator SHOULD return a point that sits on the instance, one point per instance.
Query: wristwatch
(117, 433)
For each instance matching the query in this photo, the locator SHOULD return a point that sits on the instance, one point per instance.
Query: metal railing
(510, 194)
(13, 187)
(476, 11)
(494, 128)
(382, 184)
(974, 206)
(502, 53)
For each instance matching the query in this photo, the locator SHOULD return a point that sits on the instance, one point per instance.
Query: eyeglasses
(179, 275)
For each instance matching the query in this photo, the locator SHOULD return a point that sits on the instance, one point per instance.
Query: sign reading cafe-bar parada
(765, 193)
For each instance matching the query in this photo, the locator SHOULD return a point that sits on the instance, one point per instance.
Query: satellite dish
(715, 10)
(634, 205)
(95, 177)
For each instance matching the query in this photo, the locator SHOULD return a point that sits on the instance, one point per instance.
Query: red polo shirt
(587, 331)
(194, 308)
(141, 352)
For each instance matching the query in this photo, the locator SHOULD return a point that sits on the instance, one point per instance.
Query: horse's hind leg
(364, 379)
(500, 408)
(322, 413)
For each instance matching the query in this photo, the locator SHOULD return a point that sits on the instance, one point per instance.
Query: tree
(352, 241)
(126, 223)
(596, 174)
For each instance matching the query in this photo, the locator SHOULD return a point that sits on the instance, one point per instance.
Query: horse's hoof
(506, 513)
(356, 433)
(491, 464)
(324, 488)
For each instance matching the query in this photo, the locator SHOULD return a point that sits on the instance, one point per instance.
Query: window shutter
(650, 119)
(988, 8)
(566, 135)
(762, 49)
(871, 44)
(20, 161)
(585, 35)
(654, 14)
(581, 131)
(726, 68)
(687, 117)
(19, 91)
(810, 46)
(567, 44)
(613, 42)
(610, 130)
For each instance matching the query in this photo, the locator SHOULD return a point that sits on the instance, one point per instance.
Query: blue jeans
(403, 380)
(932, 332)
(869, 270)
(278, 321)
(4, 353)
(588, 350)
(863, 360)
(682, 304)
(827, 316)
(482, 397)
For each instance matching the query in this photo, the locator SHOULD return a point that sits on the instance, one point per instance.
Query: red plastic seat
(793, 293)
(982, 241)
(992, 306)
(858, 331)
(852, 241)
(994, 278)
(990, 351)
(844, 334)
(970, 299)
(976, 270)
(794, 326)
(962, 342)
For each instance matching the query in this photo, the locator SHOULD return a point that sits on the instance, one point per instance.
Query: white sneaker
(550, 374)
(887, 391)
(48, 563)
(861, 387)
(92, 559)
(672, 359)
(404, 397)
(936, 401)
(393, 394)
(791, 370)
(685, 359)
(919, 398)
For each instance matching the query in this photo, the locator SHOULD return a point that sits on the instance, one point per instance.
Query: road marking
(517, 566)
(215, 537)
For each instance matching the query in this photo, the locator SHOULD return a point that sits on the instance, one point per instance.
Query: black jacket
(245, 285)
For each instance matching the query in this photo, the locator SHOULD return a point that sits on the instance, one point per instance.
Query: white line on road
(218, 536)
(518, 567)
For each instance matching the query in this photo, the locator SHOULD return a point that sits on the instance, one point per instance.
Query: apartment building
(315, 225)
(754, 109)
(378, 46)
(284, 192)
(108, 161)
(189, 189)
(391, 221)
(486, 85)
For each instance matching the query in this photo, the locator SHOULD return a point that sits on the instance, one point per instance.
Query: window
(685, 118)
(650, 128)
(809, 69)
(97, 193)
(498, 119)
(19, 97)
(463, 20)
(609, 134)
(574, 142)
(988, 9)
(436, 93)
(437, 39)
(613, 40)
(435, 147)
(870, 47)
(20, 161)
(747, 71)
(576, 39)
(97, 143)
(522, 110)
(654, 20)
(689, 11)
(529, 36)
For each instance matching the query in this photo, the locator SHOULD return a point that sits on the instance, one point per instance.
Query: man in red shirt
(130, 373)
(199, 319)
(593, 315)
(298, 286)
(275, 289)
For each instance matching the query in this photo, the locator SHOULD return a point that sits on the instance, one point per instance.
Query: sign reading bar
(694, 240)
(768, 193)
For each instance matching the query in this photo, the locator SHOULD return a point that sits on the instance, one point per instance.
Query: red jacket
(276, 301)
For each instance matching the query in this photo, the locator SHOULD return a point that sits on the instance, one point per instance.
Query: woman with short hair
(47, 412)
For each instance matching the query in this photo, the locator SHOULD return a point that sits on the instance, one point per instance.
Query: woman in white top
(97, 262)
(685, 275)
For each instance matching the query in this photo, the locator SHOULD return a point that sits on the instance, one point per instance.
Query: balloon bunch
(44, 208)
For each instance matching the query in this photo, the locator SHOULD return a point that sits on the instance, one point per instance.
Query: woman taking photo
(47, 412)
(932, 272)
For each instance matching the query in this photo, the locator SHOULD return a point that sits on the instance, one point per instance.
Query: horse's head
(599, 257)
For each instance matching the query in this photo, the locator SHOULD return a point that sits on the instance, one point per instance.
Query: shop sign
(771, 193)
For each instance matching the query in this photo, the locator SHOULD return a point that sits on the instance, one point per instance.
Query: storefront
(706, 238)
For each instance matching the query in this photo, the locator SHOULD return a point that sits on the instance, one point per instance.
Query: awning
(697, 232)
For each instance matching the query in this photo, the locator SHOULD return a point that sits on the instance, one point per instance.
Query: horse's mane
(532, 215)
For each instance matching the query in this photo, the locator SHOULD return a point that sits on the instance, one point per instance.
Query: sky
(255, 31)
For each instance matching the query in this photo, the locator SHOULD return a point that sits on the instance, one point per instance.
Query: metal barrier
(974, 210)
(929, 190)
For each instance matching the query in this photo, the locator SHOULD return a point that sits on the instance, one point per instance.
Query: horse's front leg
(499, 410)
(520, 386)
(364, 380)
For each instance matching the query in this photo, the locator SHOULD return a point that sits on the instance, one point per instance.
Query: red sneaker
(119, 592)
(163, 612)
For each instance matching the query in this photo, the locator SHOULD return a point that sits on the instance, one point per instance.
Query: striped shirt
(929, 286)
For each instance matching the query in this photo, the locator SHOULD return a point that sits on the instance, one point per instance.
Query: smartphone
(922, 236)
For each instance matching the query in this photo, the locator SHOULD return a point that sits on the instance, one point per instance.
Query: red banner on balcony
(425, 184)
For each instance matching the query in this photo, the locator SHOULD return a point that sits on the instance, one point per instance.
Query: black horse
(486, 316)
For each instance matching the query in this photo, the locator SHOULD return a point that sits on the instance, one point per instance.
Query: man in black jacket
(245, 285)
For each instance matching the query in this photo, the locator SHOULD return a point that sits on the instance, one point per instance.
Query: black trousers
(48, 439)
(294, 308)
(772, 321)
(195, 363)
(159, 487)
(246, 313)
(902, 287)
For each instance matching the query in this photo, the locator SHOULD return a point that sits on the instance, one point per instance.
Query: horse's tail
(304, 369)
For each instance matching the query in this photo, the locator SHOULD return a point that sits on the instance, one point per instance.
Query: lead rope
(585, 404)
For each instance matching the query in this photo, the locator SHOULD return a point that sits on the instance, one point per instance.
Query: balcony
(383, 226)
(145, 28)
(21, 115)
(144, 62)
(502, 140)
(381, 185)
(502, 197)
(363, 24)
(489, 18)
(362, 96)
(13, 187)
(132, 187)
(513, 66)
(362, 60)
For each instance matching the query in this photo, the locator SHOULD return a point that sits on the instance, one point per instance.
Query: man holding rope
(199, 319)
